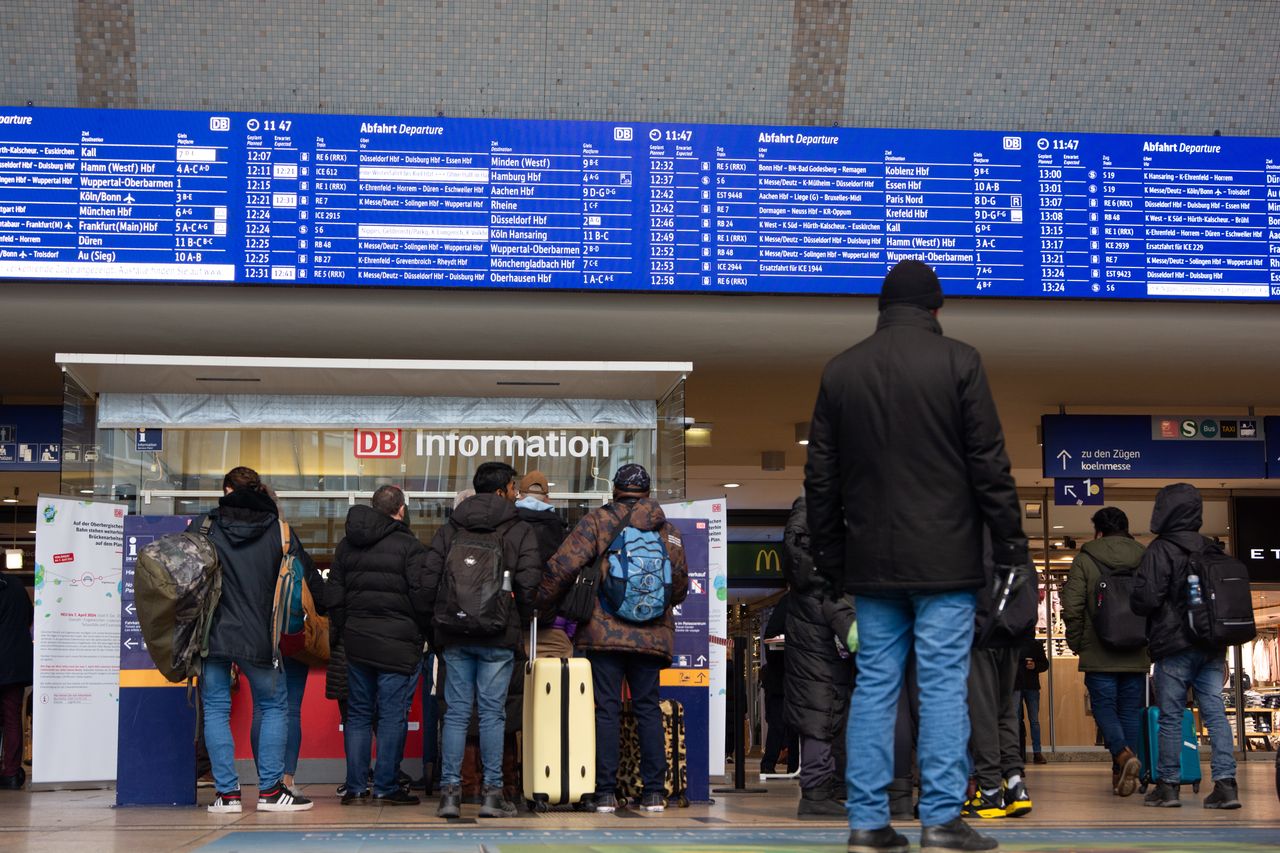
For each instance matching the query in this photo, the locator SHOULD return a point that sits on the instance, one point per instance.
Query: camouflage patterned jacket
(581, 552)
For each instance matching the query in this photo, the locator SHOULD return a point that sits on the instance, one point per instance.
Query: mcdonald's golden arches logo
(768, 559)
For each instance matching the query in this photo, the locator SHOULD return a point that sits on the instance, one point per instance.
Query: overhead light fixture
(550, 485)
(730, 485)
(13, 559)
(86, 491)
(697, 434)
(773, 460)
(1032, 509)
(14, 499)
(1058, 527)
(802, 433)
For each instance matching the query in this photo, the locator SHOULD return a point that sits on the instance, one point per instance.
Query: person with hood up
(477, 625)
(378, 604)
(1115, 679)
(820, 628)
(555, 639)
(247, 535)
(621, 650)
(1160, 594)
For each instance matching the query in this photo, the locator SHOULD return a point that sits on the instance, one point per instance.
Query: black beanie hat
(911, 282)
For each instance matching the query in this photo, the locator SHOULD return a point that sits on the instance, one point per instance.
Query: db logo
(377, 444)
(219, 123)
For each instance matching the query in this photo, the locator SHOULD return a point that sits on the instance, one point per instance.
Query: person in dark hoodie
(619, 649)
(820, 628)
(555, 639)
(378, 604)
(482, 573)
(1160, 594)
(16, 653)
(1115, 679)
(247, 535)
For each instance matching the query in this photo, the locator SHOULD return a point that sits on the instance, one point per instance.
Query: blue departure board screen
(94, 195)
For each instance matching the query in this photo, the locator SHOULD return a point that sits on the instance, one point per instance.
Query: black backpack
(475, 596)
(1224, 615)
(1115, 623)
(1007, 608)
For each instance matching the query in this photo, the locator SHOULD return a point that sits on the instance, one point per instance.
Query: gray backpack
(177, 584)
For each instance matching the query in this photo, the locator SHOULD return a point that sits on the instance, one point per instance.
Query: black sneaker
(653, 803)
(496, 804)
(1225, 795)
(604, 804)
(228, 803)
(820, 801)
(450, 801)
(1163, 796)
(281, 799)
(983, 806)
(1017, 802)
(956, 835)
(349, 797)
(882, 840)
(401, 797)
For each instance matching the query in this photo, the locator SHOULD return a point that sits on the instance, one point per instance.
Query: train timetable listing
(294, 199)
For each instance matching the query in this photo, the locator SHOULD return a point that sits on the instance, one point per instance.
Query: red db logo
(378, 444)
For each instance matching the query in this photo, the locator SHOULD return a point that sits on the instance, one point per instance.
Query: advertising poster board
(688, 680)
(715, 512)
(77, 640)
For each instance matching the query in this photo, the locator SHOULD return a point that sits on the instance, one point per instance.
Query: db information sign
(378, 443)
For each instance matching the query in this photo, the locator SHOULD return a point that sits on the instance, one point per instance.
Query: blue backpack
(637, 576)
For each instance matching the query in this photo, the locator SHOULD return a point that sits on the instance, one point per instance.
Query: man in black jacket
(1160, 594)
(247, 535)
(555, 638)
(16, 615)
(482, 574)
(378, 604)
(906, 466)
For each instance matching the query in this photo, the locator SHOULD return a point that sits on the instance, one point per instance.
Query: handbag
(580, 602)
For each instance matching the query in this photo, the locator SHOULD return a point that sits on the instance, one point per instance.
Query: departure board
(351, 201)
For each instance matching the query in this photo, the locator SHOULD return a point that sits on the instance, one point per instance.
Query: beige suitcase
(559, 732)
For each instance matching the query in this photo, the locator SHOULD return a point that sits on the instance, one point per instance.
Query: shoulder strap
(207, 524)
(286, 538)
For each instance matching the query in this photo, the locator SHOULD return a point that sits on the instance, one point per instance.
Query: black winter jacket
(774, 671)
(377, 597)
(246, 533)
(549, 529)
(16, 615)
(483, 513)
(1160, 584)
(1029, 678)
(818, 679)
(907, 463)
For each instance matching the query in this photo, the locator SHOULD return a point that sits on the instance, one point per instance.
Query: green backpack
(177, 584)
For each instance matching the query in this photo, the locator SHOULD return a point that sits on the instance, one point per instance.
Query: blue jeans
(390, 693)
(1116, 699)
(295, 680)
(940, 626)
(642, 674)
(270, 703)
(1031, 699)
(1201, 670)
(471, 672)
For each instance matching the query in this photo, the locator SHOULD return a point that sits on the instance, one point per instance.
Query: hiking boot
(1039, 758)
(653, 803)
(349, 797)
(228, 803)
(1125, 774)
(604, 804)
(401, 797)
(985, 806)
(882, 840)
(1163, 796)
(1224, 796)
(496, 804)
(450, 801)
(280, 799)
(1017, 802)
(956, 835)
(821, 801)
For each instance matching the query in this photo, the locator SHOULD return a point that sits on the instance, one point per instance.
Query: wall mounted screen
(353, 201)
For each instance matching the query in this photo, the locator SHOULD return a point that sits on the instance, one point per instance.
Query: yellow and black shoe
(1017, 802)
(984, 805)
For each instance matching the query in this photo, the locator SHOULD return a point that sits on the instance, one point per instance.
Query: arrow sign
(1072, 492)
(129, 644)
(130, 609)
(1069, 491)
(1063, 456)
(702, 660)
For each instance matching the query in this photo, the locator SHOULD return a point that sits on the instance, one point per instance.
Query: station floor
(1074, 811)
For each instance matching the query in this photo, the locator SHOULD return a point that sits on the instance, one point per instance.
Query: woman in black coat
(820, 671)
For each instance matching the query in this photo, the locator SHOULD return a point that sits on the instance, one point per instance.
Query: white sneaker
(228, 803)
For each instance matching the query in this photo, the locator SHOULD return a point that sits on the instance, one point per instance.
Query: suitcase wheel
(1195, 786)
(682, 801)
(539, 806)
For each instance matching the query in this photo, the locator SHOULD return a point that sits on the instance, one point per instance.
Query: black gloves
(1010, 553)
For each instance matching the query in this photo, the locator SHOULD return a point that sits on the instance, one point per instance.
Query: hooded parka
(1079, 604)
(1159, 586)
